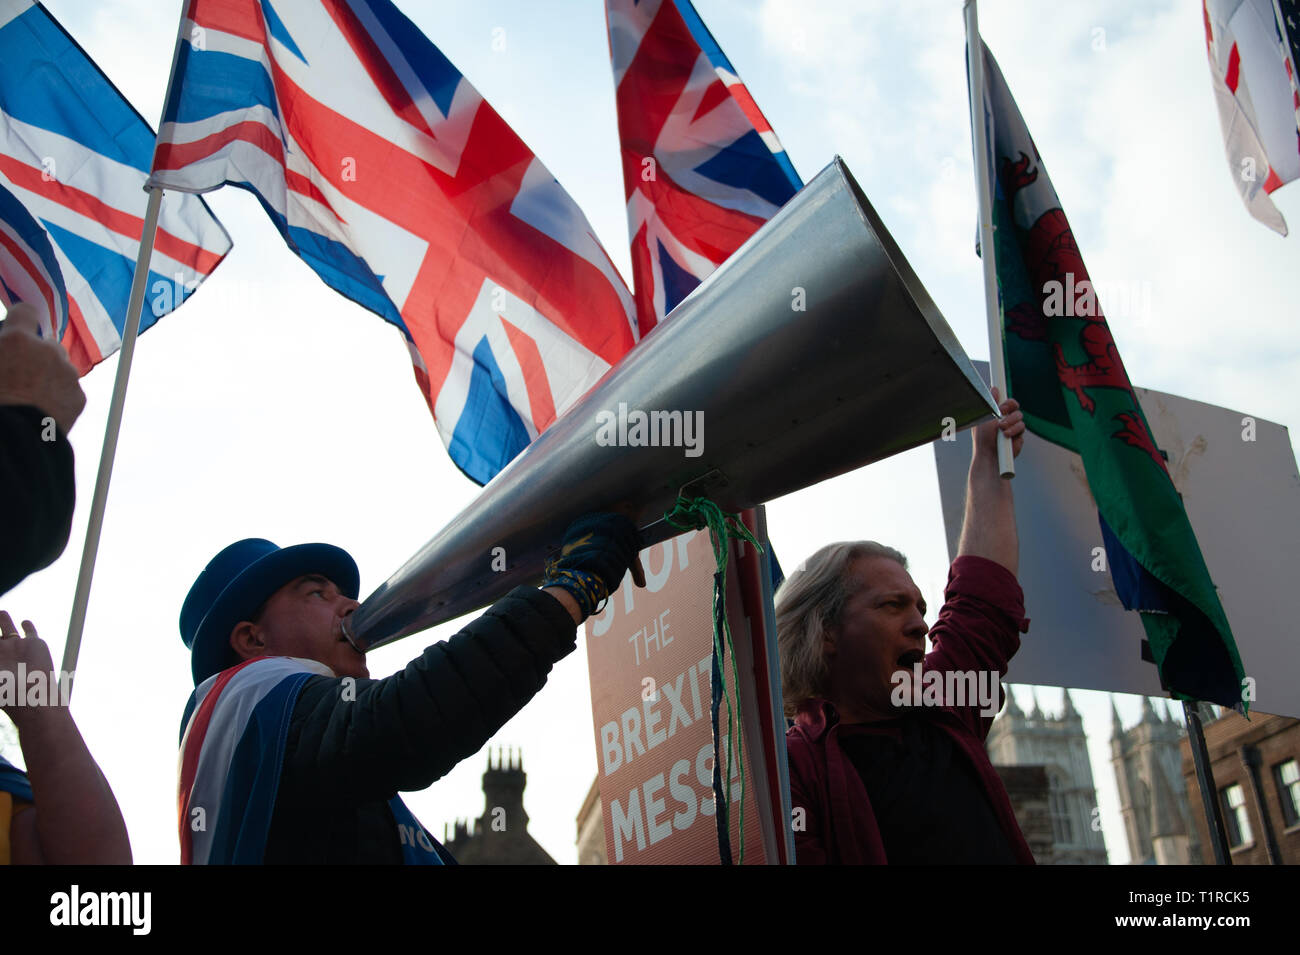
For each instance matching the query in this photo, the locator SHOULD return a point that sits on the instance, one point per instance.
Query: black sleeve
(37, 493)
(353, 741)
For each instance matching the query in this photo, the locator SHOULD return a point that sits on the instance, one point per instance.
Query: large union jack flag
(388, 173)
(701, 165)
(74, 157)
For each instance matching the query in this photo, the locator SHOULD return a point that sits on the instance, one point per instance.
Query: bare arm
(989, 528)
(76, 819)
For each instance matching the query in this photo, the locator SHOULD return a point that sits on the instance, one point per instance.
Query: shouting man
(878, 778)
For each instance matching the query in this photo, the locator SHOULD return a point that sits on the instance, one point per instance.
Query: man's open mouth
(911, 658)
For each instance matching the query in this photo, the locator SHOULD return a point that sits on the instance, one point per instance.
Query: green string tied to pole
(695, 513)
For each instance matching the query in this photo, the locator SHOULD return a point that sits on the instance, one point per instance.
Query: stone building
(1059, 746)
(499, 836)
(1147, 759)
(1256, 768)
(1028, 790)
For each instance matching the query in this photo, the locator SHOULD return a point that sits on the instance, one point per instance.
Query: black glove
(597, 552)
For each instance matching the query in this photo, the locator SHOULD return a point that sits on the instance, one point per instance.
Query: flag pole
(984, 191)
(77, 622)
(1205, 781)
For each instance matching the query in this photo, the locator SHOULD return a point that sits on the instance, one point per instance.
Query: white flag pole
(77, 622)
(984, 190)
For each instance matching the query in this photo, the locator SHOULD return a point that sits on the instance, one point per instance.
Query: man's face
(881, 630)
(304, 618)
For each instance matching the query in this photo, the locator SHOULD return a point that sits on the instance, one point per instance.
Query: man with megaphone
(291, 754)
(887, 759)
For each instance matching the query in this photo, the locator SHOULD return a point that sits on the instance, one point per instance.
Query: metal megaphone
(811, 351)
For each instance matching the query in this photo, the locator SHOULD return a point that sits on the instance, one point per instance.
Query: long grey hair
(809, 603)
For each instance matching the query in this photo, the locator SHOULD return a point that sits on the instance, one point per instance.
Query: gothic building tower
(1152, 791)
(500, 836)
(1058, 744)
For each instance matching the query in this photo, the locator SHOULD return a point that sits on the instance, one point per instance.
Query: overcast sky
(269, 406)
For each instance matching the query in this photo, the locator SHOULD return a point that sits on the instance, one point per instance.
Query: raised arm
(40, 398)
(989, 528)
(76, 819)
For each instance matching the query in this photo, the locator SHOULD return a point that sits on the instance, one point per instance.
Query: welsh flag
(1065, 370)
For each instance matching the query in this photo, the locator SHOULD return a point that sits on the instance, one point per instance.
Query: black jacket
(37, 493)
(344, 759)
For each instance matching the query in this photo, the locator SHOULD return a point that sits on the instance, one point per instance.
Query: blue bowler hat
(238, 581)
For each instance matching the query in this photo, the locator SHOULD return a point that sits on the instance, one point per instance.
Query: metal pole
(77, 622)
(1205, 779)
(88, 553)
(988, 256)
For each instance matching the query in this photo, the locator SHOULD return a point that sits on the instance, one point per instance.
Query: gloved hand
(598, 551)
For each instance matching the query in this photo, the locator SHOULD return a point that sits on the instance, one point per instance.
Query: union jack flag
(1252, 45)
(388, 173)
(701, 165)
(233, 739)
(29, 270)
(74, 157)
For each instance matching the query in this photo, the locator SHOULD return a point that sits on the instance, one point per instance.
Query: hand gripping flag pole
(90, 550)
(983, 180)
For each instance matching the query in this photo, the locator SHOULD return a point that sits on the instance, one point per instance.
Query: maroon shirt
(978, 628)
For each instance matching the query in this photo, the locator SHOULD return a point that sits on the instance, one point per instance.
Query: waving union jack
(74, 157)
(701, 166)
(29, 269)
(390, 175)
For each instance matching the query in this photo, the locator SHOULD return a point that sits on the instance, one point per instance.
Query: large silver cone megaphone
(812, 351)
